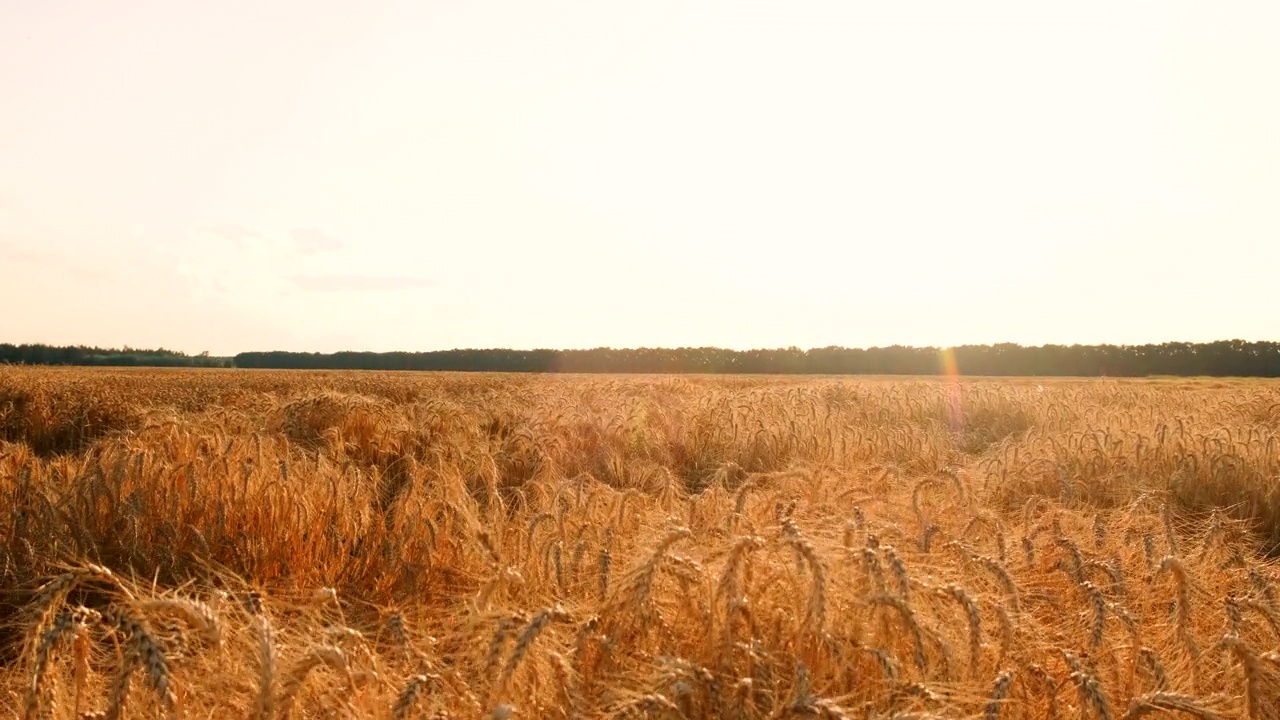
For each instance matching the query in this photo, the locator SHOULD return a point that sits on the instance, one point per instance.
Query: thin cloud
(13, 252)
(236, 234)
(361, 283)
(313, 242)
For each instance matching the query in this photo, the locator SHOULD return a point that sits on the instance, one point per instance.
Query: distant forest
(81, 355)
(1223, 358)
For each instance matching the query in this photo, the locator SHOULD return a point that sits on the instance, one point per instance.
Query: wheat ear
(292, 681)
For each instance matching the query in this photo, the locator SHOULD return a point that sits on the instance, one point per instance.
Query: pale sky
(308, 175)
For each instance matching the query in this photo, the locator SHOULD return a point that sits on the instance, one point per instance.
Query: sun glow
(418, 176)
(951, 370)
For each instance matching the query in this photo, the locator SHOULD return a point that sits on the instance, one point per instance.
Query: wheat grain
(524, 642)
(1182, 589)
(1091, 691)
(974, 619)
(908, 617)
(197, 614)
(999, 691)
(409, 697)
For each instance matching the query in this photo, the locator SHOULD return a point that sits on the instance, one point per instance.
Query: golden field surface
(263, 544)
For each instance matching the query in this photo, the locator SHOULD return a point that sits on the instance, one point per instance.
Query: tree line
(116, 357)
(1223, 358)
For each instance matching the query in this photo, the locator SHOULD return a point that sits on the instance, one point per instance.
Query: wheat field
(263, 544)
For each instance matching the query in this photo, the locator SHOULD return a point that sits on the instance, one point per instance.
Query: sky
(311, 175)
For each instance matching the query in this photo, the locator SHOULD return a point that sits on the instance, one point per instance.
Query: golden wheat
(595, 547)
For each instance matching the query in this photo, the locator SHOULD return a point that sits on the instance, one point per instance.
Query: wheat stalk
(266, 660)
(53, 593)
(1150, 662)
(1091, 691)
(1098, 603)
(974, 619)
(999, 691)
(909, 620)
(1001, 573)
(142, 651)
(1182, 587)
(409, 696)
(316, 656)
(524, 642)
(195, 613)
(1158, 701)
(1255, 673)
(815, 611)
(63, 625)
(899, 570)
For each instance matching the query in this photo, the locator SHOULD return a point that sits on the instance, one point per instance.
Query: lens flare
(951, 370)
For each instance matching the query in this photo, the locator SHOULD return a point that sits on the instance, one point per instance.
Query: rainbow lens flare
(951, 370)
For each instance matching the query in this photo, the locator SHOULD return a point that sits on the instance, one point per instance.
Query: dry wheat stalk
(1001, 573)
(875, 575)
(1256, 674)
(497, 643)
(67, 623)
(1098, 604)
(51, 595)
(1266, 611)
(266, 662)
(815, 611)
(605, 564)
(909, 620)
(80, 657)
(635, 594)
(1234, 617)
(1075, 558)
(409, 696)
(1157, 701)
(999, 691)
(1182, 587)
(1091, 691)
(1048, 686)
(1170, 536)
(1149, 661)
(195, 613)
(565, 684)
(292, 680)
(648, 705)
(974, 620)
(524, 642)
(899, 570)
(142, 650)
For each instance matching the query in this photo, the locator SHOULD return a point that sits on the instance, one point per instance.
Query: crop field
(276, 544)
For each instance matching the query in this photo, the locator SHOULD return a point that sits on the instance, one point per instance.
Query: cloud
(301, 241)
(77, 268)
(236, 234)
(313, 242)
(361, 283)
(16, 253)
